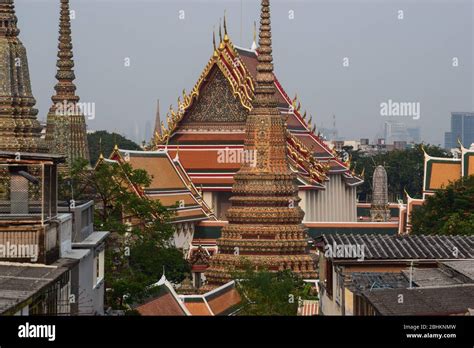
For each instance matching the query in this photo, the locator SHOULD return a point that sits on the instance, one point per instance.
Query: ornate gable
(217, 103)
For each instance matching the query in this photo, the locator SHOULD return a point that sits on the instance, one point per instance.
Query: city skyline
(389, 63)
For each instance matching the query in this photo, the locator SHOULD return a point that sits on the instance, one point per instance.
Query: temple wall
(337, 203)
(208, 198)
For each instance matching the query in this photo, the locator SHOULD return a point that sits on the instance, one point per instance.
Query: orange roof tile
(165, 305)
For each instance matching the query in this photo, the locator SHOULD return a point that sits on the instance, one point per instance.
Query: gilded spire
(216, 53)
(226, 37)
(221, 40)
(214, 39)
(220, 30)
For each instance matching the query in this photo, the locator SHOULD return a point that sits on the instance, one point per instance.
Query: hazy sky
(405, 60)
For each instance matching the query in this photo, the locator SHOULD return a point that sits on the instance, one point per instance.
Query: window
(329, 271)
(98, 267)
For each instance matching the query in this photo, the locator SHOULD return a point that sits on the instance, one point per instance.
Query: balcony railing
(28, 192)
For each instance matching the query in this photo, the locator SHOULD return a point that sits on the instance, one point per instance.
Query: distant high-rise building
(414, 135)
(398, 131)
(462, 129)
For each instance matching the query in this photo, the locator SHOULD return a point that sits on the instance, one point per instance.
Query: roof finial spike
(220, 29)
(158, 119)
(176, 157)
(115, 142)
(254, 43)
(214, 38)
(226, 37)
(221, 42)
(461, 145)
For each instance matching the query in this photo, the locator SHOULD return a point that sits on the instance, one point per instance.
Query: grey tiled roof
(422, 301)
(20, 282)
(386, 247)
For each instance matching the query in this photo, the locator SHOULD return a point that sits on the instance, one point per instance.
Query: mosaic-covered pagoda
(19, 128)
(265, 220)
(66, 131)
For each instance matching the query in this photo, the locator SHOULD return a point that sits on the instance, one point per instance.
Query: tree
(405, 170)
(268, 293)
(448, 212)
(139, 247)
(103, 141)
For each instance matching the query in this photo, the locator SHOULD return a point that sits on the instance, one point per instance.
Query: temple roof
(308, 153)
(167, 302)
(170, 183)
(440, 171)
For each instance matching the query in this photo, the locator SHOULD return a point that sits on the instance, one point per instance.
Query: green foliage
(139, 247)
(108, 140)
(447, 212)
(268, 293)
(405, 170)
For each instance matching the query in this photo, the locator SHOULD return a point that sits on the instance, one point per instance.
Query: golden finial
(310, 120)
(226, 37)
(220, 30)
(214, 38)
(115, 142)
